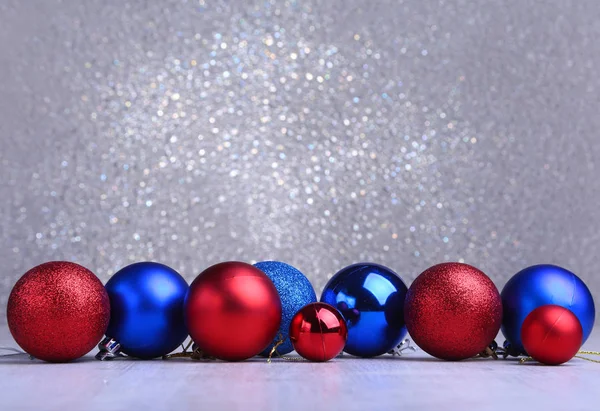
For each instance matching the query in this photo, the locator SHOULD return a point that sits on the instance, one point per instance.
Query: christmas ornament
(295, 291)
(371, 299)
(147, 318)
(551, 334)
(542, 285)
(233, 311)
(58, 311)
(453, 311)
(318, 332)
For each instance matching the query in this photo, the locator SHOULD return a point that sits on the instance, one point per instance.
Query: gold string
(525, 359)
(292, 359)
(283, 357)
(177, 355)
(588, 353)
(197, 354)
(200, 355)
(487, 353)
(182, 354)
(274, 349)
(187, 346)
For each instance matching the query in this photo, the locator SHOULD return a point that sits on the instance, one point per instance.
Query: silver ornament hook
(405, 345)
(109, 349)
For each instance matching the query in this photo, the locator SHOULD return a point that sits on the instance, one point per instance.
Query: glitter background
(319, 133)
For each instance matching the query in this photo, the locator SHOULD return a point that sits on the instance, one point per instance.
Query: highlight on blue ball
(371, 299)
(541, 285)
(295, 291)
(147, 309)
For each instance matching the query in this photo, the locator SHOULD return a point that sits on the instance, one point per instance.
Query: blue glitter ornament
(371, 299)
(541, 285)
(146, 309)
(295, 292)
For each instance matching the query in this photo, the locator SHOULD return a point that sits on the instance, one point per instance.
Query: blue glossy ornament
(371, 299)
(295, 291)
(541, 285)
(146, 309)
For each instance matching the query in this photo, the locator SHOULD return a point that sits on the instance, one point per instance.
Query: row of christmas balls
(58, 312)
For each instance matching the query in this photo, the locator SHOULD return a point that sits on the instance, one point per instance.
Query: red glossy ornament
(551, 334)
(233, 311)
(58, 311)
(318, 332)
(453, 311)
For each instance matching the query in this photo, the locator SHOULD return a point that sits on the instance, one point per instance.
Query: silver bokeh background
(319, 133)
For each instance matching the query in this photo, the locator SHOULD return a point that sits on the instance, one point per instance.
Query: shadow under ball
(233, 311)
(371, 299)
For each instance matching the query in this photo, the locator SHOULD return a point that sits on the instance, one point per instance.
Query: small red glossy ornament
(551, 334)
(453, 311)
(318, 332)
(233, 311)
(58, 311)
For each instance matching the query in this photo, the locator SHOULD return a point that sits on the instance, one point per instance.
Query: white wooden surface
(413, 382)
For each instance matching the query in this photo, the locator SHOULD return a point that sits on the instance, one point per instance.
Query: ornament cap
(109, 349)
(510, 350)
(404, 345)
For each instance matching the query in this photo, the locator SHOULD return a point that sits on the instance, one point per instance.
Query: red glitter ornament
(551, 334)
(453, 311)
(58, 311)
(233, 311)
(318, 332)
